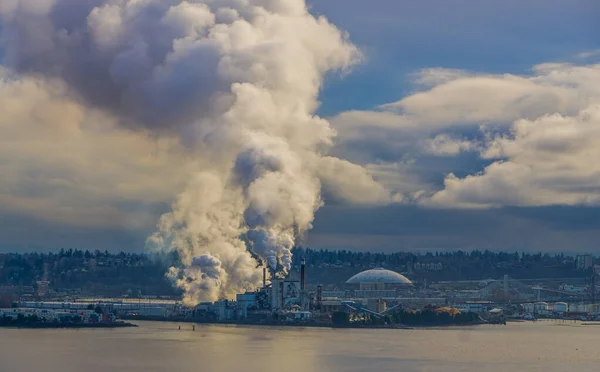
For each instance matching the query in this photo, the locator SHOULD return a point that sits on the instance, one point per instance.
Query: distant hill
(106, 274)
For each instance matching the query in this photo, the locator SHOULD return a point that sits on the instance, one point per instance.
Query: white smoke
(237, 80)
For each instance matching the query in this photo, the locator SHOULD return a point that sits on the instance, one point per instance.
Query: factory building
(372, 289)
(289, 293)
(584, 261)
(150, 308)
(378, 279)
(48, 315)
(560, 307)
(285, 293)
(246, 301)
(378, 283)
(377, 305)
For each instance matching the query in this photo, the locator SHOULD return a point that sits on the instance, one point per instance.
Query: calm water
(544, 346)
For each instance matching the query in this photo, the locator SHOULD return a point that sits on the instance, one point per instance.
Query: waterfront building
(560, 307)
(244, 302)
(584, 261)
(50, 315)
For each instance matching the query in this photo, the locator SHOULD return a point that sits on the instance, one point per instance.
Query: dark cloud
(562, 218)
(27, 234)
(407, 228)
(387, 229)
(132, 71)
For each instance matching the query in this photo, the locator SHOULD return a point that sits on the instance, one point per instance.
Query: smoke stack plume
(236, 81)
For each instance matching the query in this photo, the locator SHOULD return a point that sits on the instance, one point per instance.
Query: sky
(480, 120)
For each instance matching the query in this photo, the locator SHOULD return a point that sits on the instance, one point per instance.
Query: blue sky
(399, 39)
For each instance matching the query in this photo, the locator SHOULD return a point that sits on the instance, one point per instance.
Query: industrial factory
(375, 293)
(280, 299)
(289, 298)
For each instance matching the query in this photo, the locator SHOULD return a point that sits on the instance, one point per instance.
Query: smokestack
(319, 296)
(264, 277)
(303, 275)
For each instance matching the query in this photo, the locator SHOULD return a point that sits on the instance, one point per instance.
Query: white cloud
(444, 144)
(431, 77)
(403, 183)
(502, 183)
(550, 160)
(346, 182)
(460, 98)
(542, 129)
(589, 54)
(462, 101)
(106, 25)
(189, 19)
(62, 162)
(482, 98)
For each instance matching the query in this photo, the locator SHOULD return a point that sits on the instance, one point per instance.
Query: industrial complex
(374, 293)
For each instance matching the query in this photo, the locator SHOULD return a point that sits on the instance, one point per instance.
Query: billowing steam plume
(237, 80)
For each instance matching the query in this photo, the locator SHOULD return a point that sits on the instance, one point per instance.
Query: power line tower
(42, 285)
(592, 289)
(592, 286)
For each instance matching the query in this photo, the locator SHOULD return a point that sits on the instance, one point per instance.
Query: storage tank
(560, 307)
(540, 306)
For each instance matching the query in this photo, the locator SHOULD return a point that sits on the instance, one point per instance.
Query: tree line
(115, 274)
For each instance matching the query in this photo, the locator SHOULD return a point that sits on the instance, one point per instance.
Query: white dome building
(378, 279)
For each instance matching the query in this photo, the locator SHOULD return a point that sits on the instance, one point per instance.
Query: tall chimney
(303, 275)
(319, 295)
(264, 277)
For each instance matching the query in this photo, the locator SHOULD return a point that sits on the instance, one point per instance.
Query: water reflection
(162, 347)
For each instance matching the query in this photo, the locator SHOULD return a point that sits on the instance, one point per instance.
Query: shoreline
(70, 325)
(305, 324)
